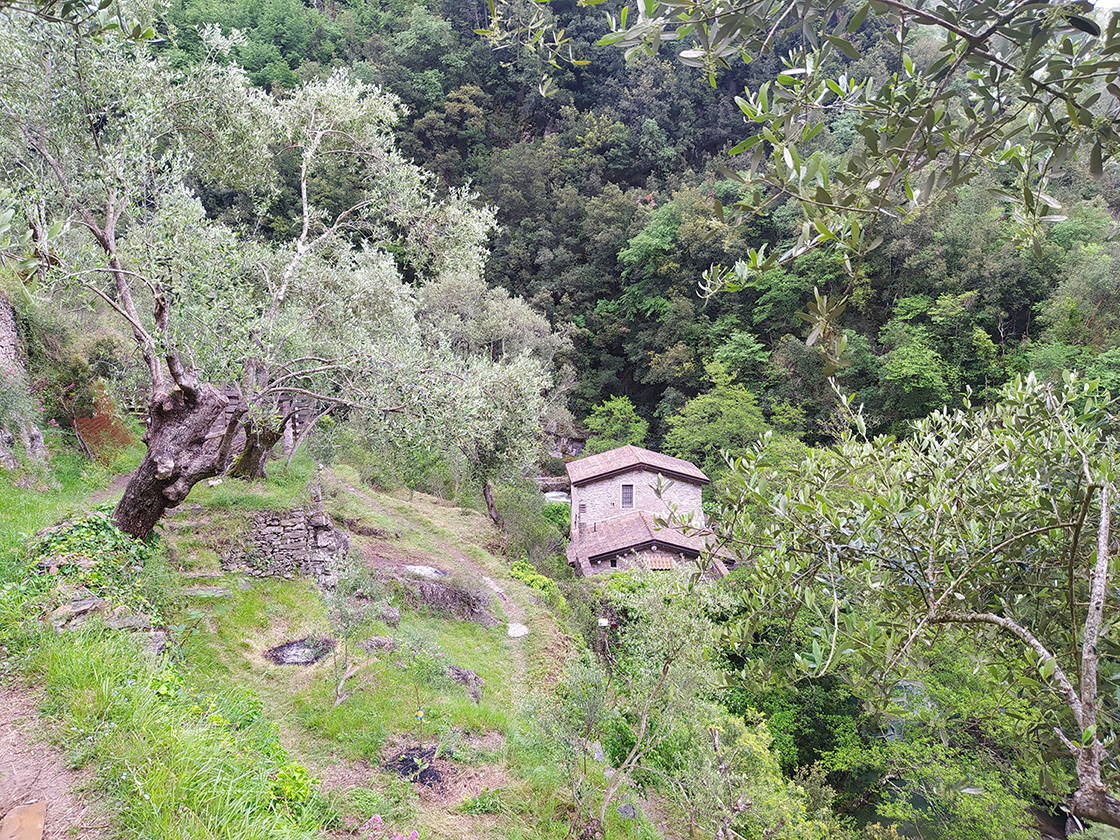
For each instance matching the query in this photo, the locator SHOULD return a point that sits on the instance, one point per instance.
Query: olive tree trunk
(259, 443)
(181, 452)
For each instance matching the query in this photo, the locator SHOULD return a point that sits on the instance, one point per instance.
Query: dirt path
(113, 491)
(32, 770)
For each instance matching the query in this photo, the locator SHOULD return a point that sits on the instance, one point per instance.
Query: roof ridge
(628, 456)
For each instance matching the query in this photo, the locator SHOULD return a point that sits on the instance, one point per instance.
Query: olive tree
(91, 19)
(98, 135)
(991, 522)
(333, 310)
(236, 334)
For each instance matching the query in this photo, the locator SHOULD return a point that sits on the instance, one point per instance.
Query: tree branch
(1029, 639)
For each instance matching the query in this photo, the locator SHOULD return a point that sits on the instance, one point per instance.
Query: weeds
(23, 512)
(93, 554)
(174, 760)
(487, 802)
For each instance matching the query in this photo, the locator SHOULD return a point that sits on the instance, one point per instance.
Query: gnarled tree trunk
(259, 443)
(491, 507)
(181, 453)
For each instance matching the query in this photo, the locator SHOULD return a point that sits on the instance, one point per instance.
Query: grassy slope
(27, 509)
(482, 748)
(345, 744)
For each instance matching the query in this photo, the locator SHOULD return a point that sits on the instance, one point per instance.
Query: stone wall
(11, 353)
(603, 499)
(13, 374)
(299, 542)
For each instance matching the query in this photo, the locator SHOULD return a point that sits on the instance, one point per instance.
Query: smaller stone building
(614, 504)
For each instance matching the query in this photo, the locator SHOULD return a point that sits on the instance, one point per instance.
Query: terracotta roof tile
(630, 457)
(632, 530)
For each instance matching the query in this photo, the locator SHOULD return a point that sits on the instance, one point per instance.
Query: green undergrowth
(172, 760)
(217, 741)
(23, 511)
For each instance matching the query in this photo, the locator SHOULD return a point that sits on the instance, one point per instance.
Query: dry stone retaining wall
(299, 542)
(13, 374)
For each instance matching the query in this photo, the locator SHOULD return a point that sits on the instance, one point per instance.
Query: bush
(524, 572)
(560, 515)
(530, 533)
(554, 467)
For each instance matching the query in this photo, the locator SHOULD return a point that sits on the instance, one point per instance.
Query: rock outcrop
(15, 425)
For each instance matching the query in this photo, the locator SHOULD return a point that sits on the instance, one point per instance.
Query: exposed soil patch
(419, 764)
(386, 557)
(31, 770)
(300, 652)
(491, 742)
(355, 526)
(472, 781)
(456, 599)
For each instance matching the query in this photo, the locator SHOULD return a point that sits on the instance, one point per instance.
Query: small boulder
(122, 618)
(159, 643)
(390, 615)
(377, 643)
(76, 612)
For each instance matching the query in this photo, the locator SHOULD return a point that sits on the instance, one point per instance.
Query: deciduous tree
(1017, 87)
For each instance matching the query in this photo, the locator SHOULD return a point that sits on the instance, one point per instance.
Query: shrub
(560, 515)
(529, 531)
(524, 572)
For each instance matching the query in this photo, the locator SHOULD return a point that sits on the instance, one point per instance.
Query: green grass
(286, 486)
(237, 630)
(198, 750)
(23, 512)
(173, 762)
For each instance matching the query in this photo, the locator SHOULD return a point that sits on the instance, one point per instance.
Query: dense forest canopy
(432, 245)
(605, 194)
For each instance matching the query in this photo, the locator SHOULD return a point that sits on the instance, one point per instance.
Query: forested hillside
(604, 193)
(413, 246)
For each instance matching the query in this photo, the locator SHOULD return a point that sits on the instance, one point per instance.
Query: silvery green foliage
(497, 415)
(470, 318)
(105, 139)
(993, 522)
(99, 136)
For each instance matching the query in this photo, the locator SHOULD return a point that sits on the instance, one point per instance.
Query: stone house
(614, 505)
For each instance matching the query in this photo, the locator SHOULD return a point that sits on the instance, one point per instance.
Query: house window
(628, 495)
(614, 562)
